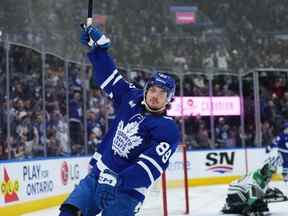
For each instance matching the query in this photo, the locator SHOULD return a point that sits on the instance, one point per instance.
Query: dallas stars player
(250, 194)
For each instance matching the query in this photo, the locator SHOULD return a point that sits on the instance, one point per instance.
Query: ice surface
(204, 201)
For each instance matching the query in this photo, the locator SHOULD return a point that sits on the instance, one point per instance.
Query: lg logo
(69, 171)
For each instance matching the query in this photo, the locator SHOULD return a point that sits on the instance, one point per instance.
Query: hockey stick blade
(276, 199)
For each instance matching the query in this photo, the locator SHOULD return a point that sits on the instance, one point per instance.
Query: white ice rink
(204, 201)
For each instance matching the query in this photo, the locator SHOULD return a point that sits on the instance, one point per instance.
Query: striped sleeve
(154, 161)
(146, 171)
(107, 76)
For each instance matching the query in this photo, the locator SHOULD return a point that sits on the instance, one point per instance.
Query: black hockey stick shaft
(89, 20)
(90, 13)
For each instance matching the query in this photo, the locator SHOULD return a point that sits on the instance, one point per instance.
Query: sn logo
(220, 158)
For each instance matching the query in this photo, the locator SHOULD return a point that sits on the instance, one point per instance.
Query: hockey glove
(274, 195)
(107, 189)
(99, 39)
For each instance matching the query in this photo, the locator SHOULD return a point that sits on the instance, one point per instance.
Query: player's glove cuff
(100, 40)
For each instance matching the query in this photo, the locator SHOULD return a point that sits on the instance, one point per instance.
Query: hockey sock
(64, 213)
(69, 210)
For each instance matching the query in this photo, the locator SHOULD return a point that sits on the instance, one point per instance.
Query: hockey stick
(275, 199)
(274, 195)
(90, 13)
(89, 20)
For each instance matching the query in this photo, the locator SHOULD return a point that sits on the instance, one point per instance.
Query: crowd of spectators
(57, 113)
(257, 30)
(61, 123)
(53, 123)
(226, 34)
(234, 34)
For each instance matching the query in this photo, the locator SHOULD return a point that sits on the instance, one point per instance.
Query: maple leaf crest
(126, 138)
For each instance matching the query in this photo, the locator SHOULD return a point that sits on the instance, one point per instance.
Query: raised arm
(105, 72)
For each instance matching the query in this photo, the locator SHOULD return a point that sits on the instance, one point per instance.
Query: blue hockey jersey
(281, 142)
(139, 144)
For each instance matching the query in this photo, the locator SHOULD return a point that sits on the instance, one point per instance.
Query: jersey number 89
(163, 149)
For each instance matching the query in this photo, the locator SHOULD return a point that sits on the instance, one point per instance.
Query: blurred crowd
(52, 123)
(227, 34)
(60, 113)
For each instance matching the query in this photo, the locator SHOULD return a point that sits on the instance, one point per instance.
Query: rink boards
(36, 184)
(30, 185)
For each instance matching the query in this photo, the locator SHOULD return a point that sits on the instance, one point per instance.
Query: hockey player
(250, 194)
(246, 194)
(137, 147)
(279, 148)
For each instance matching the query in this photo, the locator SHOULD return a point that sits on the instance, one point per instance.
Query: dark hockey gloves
(107, 189)
(257, 209)
(235, 205)
(99, 39)
(274, 195)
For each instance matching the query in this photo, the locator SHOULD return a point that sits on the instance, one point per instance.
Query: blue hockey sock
(65, 213)
(69, 210)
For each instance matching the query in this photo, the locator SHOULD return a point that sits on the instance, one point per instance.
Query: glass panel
(274, 103)
(26, 102)
(197, 126)
(56, 107)
(249, 110)
(179, 119)
(76, 109)
(3, 103)
(227, 127)
(100, 114)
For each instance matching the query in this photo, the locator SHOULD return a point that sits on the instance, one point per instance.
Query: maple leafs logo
(126, 139)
